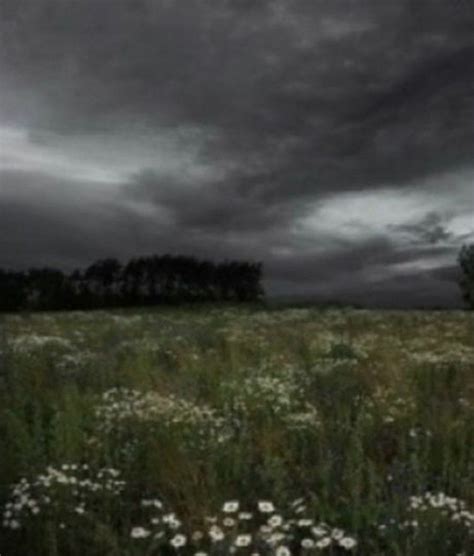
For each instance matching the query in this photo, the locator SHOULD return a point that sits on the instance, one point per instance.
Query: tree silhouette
(102, 277)
(466, 262)
(48, 288)
(150, 280)
(13, 295)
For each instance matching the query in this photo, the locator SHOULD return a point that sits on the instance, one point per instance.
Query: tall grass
(366, 416)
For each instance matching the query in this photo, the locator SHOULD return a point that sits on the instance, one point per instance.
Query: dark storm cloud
(370, 258)
(67, 223)
(311, 95)
(76, 229)
(292, 102)
(365, 274)
(214, 207)
(40, 227)
(451, 274)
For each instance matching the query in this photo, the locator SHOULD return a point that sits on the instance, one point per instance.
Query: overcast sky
(332, 140)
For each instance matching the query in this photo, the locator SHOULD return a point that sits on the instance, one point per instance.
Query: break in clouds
(331, 140)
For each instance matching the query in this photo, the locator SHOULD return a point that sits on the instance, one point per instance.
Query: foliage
(237, 431)
(150, 280)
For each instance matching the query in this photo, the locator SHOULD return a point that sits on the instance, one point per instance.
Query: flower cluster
(27, 343)
(457, 354)
(279, 397)
(262, 530)
(198, 424)
(448, 507)
(69, 364)
(70, 489)
(162, 527)
(390, 404)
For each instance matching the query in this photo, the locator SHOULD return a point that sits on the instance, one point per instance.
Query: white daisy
(178, 540)
(347, 543)
(266, 506)
(243, 540)
(216, 533)
(275, 521)
(324, 542)
(139, 533)
(230, 507)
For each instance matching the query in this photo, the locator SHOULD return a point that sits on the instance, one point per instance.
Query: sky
(331, 140)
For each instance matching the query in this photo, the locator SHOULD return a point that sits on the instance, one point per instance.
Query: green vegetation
(237, 430)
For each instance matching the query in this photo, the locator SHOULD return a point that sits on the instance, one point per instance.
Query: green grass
(354, 411)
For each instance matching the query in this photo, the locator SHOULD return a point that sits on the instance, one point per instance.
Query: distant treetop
(151, 280)
(466, 262)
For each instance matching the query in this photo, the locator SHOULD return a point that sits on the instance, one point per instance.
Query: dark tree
(148, 280)
(247, 286)
(13, 294)
(48, 288)
(102, 277)
(466, 262)
(153, 271)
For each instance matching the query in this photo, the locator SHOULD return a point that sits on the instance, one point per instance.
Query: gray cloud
(241, 120)
(430, 229)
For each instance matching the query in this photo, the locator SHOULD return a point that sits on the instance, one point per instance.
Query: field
(237, 430)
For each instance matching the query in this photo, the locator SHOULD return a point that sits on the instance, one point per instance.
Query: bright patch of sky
(106, 160)
(358, 216)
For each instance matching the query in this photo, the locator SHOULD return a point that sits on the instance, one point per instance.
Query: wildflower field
(237, 430)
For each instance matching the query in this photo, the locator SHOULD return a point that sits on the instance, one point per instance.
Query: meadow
(237, 430)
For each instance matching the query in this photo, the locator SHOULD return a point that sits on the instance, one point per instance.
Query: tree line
(151, 280)
(466, 282)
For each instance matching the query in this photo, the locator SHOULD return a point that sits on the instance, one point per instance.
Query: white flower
(318, 531)
(169, 517)
(275, 538)
(231, 506)
(14, 524)
(324, 542)
(275, 521)
(337, 534)
(228, 522)
(305, 522)
(172, 521)
(139, 533)
(307, 543)
(245, 515)
(216, 533)
(265, 506)
(178, 540)
(283, 551)
(243, 540)
(197, 536)
(347, 543)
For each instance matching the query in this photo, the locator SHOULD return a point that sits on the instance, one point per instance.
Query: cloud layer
(332, 140)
